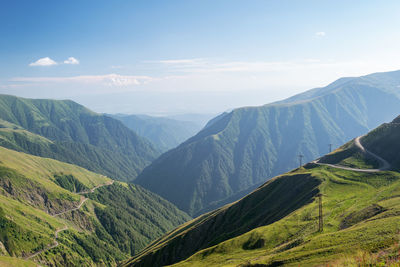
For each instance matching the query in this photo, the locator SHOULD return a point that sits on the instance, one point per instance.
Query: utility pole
(330, 148)
(301, 159)
(320, 219)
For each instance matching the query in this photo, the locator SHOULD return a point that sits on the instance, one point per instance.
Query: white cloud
(71, 61)
(203, 66)
(320, 34)
(46, 61)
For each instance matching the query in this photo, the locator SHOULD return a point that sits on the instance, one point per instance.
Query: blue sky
(164, 57)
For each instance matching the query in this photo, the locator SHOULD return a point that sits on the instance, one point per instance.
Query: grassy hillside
(39, 196)
(280, 225)
(73, 134)
(384, 141)
(14, 262)
(247, 146)
(361, 214)
(163, 132)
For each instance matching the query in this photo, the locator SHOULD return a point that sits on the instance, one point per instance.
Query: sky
(206, 56)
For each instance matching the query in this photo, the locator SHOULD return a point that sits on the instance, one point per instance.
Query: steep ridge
(60, 214)
(245, 147)
(163, 132)
(73, 134)
(360, 217)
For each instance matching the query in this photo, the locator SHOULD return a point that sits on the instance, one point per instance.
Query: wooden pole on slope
(320, 219)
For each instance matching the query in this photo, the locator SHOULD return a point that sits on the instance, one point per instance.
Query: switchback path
(384, 164)
(96, 187)
(55, 244)
(82, 201)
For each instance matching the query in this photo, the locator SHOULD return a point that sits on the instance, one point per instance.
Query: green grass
(14, 262)
(384, 141)
(38, 168)
(30, 230)
(350, 156)
(294, 240)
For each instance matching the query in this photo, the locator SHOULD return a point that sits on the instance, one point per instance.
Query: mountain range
(316, 215)
(69, 132)
(66, 197)
(239, 150)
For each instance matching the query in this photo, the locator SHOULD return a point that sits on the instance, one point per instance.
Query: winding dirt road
(384, 164)
(82, 201)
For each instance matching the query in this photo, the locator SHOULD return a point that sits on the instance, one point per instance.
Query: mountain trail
(384, 164)
(65, 228)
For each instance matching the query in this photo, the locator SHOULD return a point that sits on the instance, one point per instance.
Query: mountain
(165, 133)
(67, 131)
(278, 223)
(57, 214)
(241, 149)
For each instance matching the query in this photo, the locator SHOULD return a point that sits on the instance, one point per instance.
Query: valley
(360, 217)
(165, 133)
(240, 150)
(83, 189)
(207, 133)
(53, 213)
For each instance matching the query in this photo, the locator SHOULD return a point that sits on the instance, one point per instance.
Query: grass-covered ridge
(361, 212)
(69, 132)
(39, 196)
(349, 226)
(384, 141)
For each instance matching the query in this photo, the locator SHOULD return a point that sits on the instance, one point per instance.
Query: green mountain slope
(243, 148)
(165, 133)
(277, 224)
(95, 221)
(384, 141)
(73, 134)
